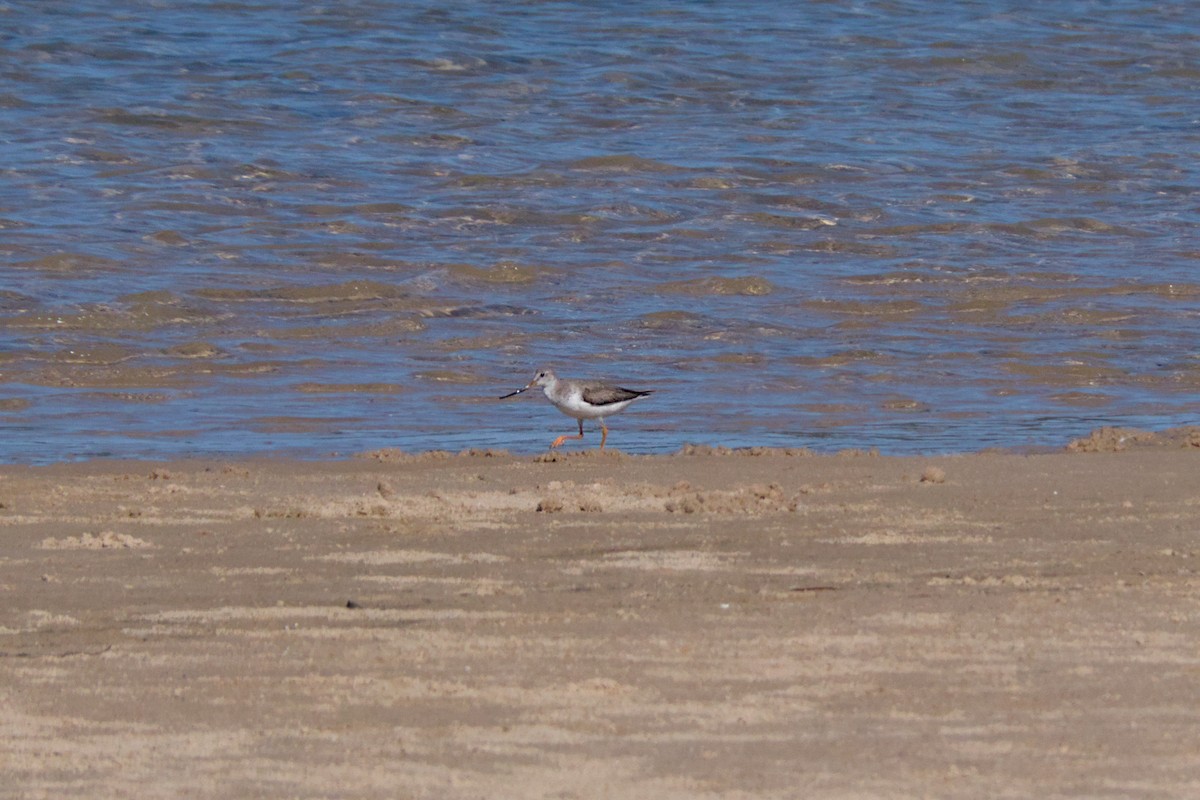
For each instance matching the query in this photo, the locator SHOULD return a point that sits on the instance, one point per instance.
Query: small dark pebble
(352, 604)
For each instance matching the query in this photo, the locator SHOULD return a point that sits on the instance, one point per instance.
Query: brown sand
(700, 625)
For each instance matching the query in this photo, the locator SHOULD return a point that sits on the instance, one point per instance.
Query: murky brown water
(247, 228)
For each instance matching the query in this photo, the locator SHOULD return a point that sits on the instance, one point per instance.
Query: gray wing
(600, 395)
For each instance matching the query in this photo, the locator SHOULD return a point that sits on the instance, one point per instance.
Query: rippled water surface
(267, 227)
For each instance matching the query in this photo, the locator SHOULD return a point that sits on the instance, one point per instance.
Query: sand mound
(1113, 439)
(106, 540)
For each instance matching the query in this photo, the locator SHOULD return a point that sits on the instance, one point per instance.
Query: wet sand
(710, 624)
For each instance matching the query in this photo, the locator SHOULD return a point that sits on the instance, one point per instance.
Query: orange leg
(564, 437)
(603, 434)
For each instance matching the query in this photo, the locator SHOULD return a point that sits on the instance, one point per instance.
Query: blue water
(248, 228)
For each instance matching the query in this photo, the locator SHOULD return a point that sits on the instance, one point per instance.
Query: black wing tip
(631, 394)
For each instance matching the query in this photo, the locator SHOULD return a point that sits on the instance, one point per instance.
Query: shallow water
(923, 227)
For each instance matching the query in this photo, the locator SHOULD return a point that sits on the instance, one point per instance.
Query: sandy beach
(740, 624)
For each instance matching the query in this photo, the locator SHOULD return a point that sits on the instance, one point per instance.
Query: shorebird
(581, 400)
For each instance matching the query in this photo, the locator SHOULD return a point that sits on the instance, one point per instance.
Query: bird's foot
(558, 442)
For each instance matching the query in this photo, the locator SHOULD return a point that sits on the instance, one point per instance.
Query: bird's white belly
(574, 406)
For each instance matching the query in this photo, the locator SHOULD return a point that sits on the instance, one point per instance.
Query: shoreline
(705, 624)
(1107, 438)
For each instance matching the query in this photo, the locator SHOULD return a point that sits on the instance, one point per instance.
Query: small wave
(1075, 374)
(749, 286)
(884, 308)
(621, 163)
(671, 321)
(504, 272)
(351, 290)
(476, 312)
(95, 354)
(197, 350)
(70, 263)
(128, 316)
(349, 388)
(167, 238)
(455, 64)
(164, 120)
(848, 247)
(767, 219)
(452, 376)
(538, 179)
(936, 228)
(15, 301)
(386, 329)
(1049, 227)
